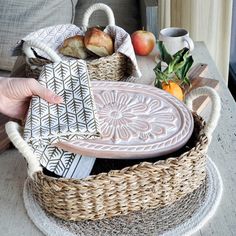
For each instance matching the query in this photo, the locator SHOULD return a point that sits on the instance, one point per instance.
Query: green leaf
(160, 76)
(181, 52)
(178, 66)
(158, 66)
(181, 73)
(165, 56)
(158, 84)
(178, 60)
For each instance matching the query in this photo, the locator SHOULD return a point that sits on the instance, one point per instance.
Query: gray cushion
(126, 13)
(4, 73)
(20, 17)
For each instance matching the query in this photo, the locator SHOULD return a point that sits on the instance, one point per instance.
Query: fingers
(37, 89)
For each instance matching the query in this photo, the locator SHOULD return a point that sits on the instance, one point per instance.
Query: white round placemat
(181, 218)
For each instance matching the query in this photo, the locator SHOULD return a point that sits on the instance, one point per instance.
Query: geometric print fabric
(64, 163)
(75, 118)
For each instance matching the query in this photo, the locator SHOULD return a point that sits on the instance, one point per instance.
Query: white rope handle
(32, 43)
(13, 131)
(215, 109)
(95, 7)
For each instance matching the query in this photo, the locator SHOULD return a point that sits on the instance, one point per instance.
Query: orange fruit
(174, 89)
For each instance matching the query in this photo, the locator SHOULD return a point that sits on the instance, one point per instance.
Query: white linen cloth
(54, 37)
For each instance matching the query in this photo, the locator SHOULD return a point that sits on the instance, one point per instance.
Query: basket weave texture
(115, 67)
(111, 68)
(118, 192)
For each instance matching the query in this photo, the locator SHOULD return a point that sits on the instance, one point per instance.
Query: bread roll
(98, 42)
(74, 47)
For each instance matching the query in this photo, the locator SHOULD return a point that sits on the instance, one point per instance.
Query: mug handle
(190, 43)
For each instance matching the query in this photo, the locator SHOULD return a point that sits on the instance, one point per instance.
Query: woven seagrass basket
(113, 68)
(124, 186)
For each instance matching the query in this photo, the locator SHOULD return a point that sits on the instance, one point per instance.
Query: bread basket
(148, 184)
(114, 67)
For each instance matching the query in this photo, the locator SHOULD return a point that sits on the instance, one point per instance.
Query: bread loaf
(98, 42)
(74, 47)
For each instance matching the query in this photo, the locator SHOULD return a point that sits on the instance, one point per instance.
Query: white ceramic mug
(175, 39)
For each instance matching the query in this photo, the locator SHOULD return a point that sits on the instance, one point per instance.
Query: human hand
(15, 94)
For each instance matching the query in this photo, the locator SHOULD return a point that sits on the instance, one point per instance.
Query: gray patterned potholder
(64, 163)
(75, 118)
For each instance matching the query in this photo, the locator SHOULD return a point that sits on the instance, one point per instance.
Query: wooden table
(14, 220)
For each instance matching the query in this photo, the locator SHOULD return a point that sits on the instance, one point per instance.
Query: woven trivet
(181, 218)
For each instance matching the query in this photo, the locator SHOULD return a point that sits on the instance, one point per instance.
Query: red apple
(143, 42)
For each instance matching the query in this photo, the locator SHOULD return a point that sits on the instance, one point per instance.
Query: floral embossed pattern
(136, 121)
(124, 117)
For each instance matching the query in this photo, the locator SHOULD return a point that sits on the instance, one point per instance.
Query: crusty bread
(74, 47)
(98, 42)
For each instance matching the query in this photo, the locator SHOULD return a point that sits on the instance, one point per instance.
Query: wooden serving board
(198, 79)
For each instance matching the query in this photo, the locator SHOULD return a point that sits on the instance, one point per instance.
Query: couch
(19, 18)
